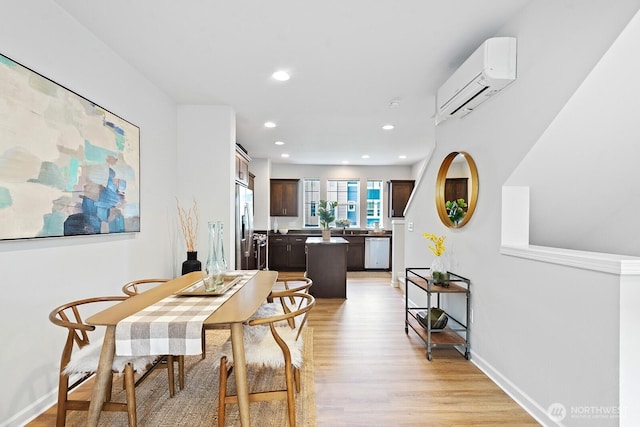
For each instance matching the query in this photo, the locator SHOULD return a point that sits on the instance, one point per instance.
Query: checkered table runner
(172, 325)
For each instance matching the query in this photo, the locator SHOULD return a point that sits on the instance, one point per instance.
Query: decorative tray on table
(197, 289)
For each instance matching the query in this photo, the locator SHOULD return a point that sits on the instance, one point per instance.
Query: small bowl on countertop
(283, 230)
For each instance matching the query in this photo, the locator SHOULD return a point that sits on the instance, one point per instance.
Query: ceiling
(348, 61)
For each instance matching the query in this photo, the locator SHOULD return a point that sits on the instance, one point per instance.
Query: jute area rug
(197, 404)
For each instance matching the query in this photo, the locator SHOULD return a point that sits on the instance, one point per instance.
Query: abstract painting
(67, 166)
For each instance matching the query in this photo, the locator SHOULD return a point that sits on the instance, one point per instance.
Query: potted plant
(439, 273)
(343, 223)
(326, 212)
(456, 210)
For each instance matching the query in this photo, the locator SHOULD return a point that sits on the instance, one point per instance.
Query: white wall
(362, 173)
(591, 205)
(538, 328)
(206, 167)
(38, 275)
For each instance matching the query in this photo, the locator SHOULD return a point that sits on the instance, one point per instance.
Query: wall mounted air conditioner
(487, 71)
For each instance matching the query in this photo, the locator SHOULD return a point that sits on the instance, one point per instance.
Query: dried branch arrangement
(189, 225)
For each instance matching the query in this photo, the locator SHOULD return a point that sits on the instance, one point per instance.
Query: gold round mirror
(456, 189)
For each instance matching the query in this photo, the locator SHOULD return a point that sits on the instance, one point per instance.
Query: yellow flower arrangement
(438, 243)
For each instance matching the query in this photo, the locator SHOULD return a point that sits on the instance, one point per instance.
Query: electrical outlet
(410, 226)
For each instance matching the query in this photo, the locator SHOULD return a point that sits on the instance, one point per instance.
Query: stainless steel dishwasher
(376, 252)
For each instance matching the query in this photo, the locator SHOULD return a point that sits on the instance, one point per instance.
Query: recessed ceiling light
(345, 162)
(279, 143)
(365, 156)
(394, 103)
(402, 156)
(269, 124)
(284, 155)
(281, 76)
(388, 127)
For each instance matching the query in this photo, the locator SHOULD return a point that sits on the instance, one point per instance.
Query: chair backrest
(294, 284)
(290, 284)
(295, 317)
(70, 316)
(136, 287)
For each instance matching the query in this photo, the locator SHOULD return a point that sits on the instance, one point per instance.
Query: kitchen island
(327, 266)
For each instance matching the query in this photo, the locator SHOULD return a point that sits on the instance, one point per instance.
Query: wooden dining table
(232, 313)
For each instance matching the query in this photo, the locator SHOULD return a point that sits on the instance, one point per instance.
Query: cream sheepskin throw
(261, 348)
(86, 360)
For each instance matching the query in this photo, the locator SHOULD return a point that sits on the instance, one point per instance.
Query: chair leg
(131, 395)
(181, 372)
(291, 405)
(63, 391)
(107, 396)
(222, 391)
(204, 344)
(172, 386)
(296, 377)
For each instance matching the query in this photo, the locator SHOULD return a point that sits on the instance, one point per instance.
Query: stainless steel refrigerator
(244, 227)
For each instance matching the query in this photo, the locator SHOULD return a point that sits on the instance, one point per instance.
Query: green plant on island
(326, 212)
(456, 210)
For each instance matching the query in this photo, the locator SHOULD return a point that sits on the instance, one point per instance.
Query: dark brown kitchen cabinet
(278, 252)
(456, 188)
(399, 193)
(287, 252)
(284, 197)
(327, 267)
(355, 253)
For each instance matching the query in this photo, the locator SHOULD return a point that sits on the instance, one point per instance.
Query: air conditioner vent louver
(453, 113)
(486, 72)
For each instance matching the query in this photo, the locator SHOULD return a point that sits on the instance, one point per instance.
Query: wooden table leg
(240, 369)
(103, 376)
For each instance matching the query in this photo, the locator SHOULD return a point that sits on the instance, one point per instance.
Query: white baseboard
(534, 409)
(32, 411)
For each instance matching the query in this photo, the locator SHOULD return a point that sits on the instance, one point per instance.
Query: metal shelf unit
(456, 332)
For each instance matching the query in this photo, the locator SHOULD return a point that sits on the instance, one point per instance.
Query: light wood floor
(368, 372)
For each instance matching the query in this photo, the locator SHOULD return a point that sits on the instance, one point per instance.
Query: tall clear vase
(222, 261)
(213, 272)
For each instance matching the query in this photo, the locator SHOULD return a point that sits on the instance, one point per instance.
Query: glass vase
(439, 273)
(213, 272)
(222, 261)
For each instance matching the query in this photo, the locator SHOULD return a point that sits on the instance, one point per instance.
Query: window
(374, 202)
(311, 197)
(347, 194)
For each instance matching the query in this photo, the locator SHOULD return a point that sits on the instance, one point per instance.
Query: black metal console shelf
(456, 332)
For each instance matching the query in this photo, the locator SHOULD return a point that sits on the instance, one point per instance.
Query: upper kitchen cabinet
(284, 197)
(399, 193)
(242, 166)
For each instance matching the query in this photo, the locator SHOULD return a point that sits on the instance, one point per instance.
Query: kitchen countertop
(334, 233)
(333, 240)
